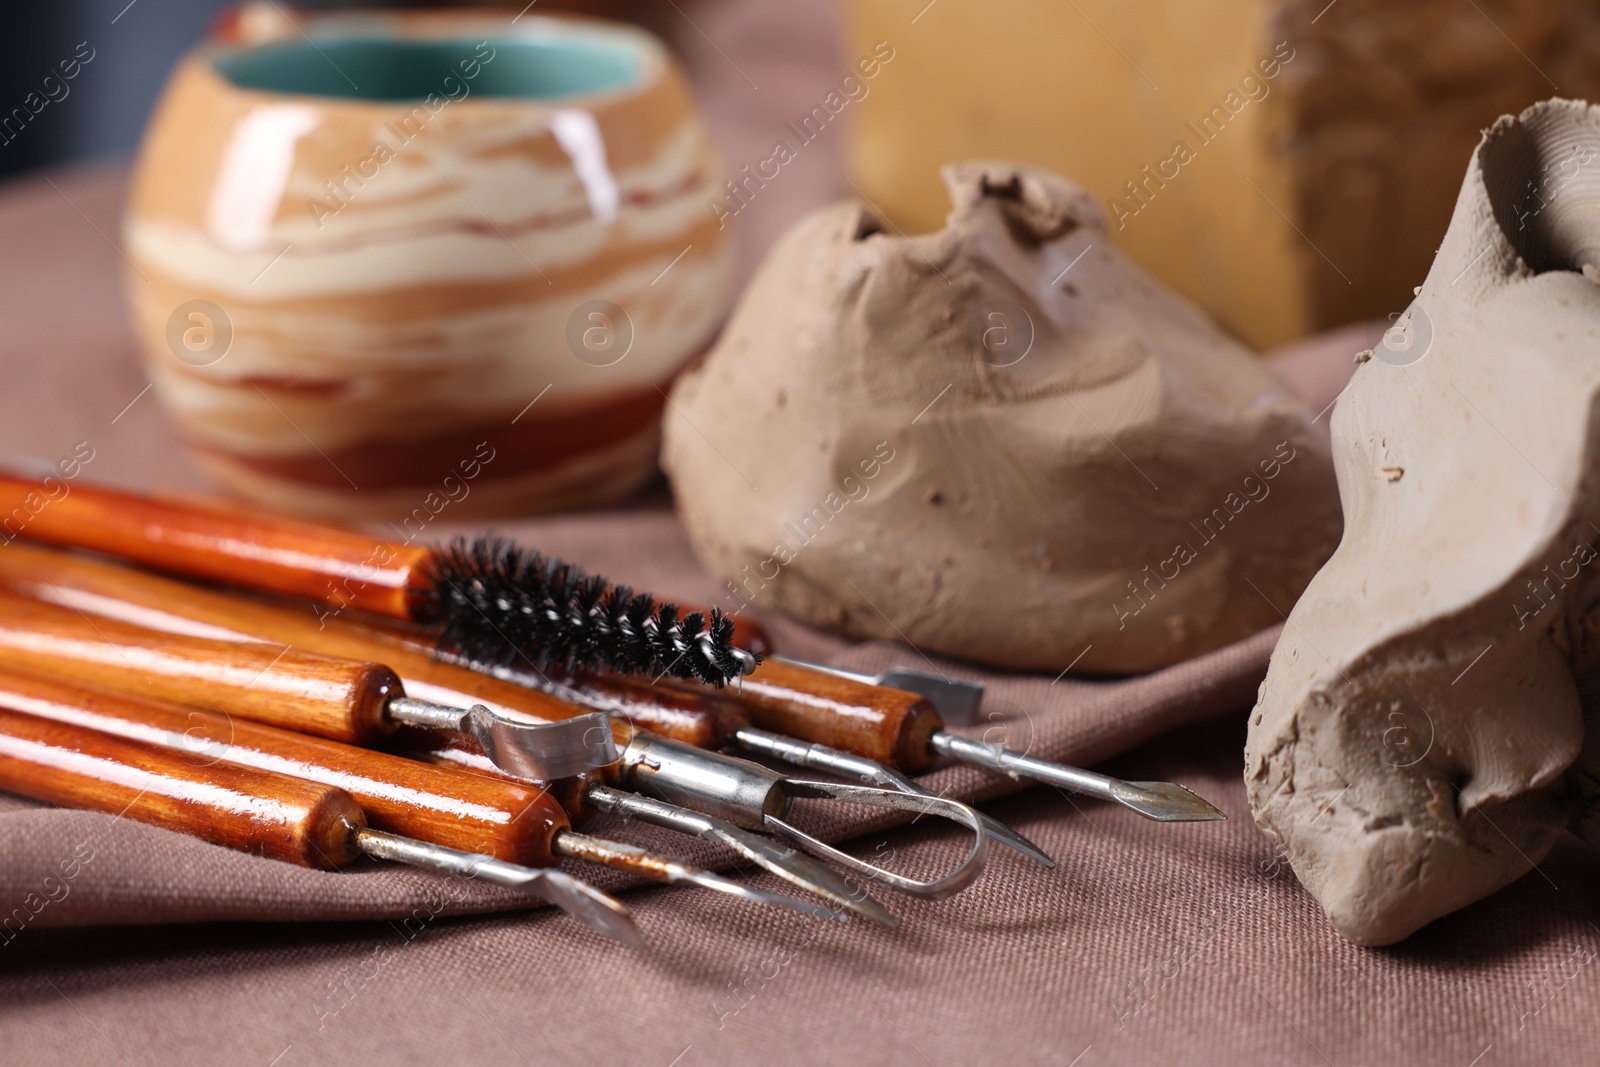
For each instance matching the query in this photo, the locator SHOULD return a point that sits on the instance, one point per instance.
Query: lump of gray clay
(1000, 441)
(1416, 744)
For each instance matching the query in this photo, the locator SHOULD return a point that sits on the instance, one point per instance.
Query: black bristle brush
(485, 599)
(493, 602)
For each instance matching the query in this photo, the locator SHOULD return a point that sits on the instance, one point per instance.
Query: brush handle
(891, 726)
(101, 588)
(268, 814)
(512, 822)
(282, 686)
(220, 542)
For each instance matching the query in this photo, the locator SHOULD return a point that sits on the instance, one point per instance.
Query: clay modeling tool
(846, 720)
(876, 734)
(708, 719)
(484, 598)
(511, 822)
(879, 728)
(327, 694)
(311, 824)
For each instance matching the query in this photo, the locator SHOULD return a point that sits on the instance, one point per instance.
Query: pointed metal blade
(1166, 802)
(1162, 801)
(599, 911)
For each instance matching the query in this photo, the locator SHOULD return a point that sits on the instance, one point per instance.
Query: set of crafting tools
(459, 709)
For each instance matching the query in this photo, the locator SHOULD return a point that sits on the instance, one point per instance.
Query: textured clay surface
(1411, 748)
(999, 441)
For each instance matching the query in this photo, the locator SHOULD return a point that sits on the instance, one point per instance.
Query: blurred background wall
(103, 109)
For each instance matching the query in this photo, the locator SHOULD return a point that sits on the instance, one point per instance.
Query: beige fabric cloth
(1171, 944)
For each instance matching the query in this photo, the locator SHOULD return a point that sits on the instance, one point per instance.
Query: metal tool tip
(1167, 802)
(810, 874)
(868, 908)
(1005, 835)
(761, 896)
(599, 911)
(939, 888)
(788, 863)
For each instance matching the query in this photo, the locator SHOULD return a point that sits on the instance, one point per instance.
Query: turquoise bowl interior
(387, 68)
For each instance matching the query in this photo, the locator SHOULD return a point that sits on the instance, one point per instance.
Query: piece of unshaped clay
(1000, 441)
(1413, 746)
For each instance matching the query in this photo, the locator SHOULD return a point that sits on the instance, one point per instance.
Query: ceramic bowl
(386, 264)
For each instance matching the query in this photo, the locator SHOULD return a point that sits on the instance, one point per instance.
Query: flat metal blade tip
(1167, 802)
(599, 911)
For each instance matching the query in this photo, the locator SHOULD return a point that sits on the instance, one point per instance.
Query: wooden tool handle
(283, 686)
(224, 543)
(516, 822)
(101, 588)
(255, 811)
(704, 717)
(887, 725)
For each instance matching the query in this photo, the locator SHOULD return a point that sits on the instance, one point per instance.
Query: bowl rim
(649, 52)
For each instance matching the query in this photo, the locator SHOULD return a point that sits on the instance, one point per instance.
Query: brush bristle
(502, 605)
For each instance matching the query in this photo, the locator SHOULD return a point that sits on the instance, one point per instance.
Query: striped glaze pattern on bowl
(421, 254)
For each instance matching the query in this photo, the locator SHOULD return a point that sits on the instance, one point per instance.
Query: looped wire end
(937, 889)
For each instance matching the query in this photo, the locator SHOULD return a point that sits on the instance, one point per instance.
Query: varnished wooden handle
(282, 685)
(102, 588)
(255, 811)
(704, 717)
(888, 725)
(512, 821)
(221, 542)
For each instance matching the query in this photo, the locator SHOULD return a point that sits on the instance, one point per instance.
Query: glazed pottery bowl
(388, 263)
